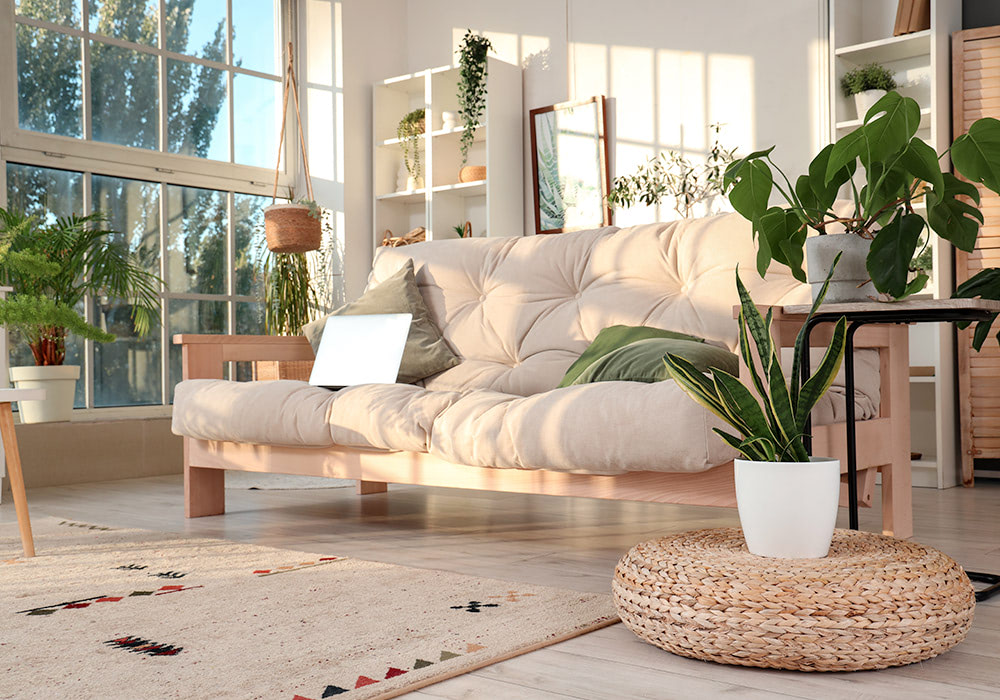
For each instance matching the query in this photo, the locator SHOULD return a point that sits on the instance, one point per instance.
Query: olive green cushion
(612, 338)
(426, 352)
(642, 361)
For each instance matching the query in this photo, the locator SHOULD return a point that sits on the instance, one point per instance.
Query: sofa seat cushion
(281, 412)
(292, 413)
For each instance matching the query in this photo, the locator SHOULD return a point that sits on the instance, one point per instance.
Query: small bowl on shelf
(472, 173)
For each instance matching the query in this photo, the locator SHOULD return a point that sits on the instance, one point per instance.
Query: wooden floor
(573, 543)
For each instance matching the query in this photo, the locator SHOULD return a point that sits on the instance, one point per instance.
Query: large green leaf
(986, 285)
(736, 167)
(752, 190)
(825, 190)
(885, 187)
(890, 124)
(891, 253)
(785, 235)
(977, 153)
(952, 218)
(921, 161)
(845, 153)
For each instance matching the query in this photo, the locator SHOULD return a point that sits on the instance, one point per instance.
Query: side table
(8, 396)
(901, 312)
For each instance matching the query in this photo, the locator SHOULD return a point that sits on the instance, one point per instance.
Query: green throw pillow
(642, 361)
(426, 352)
(614, 337)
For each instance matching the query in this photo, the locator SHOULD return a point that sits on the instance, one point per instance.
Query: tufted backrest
(519, 311)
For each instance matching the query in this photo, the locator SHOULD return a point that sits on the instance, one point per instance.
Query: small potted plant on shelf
(53, 267)
(408, 131)
(868, 84)
(881, 230)
(670, 174)
(787, 500)
(473, 67)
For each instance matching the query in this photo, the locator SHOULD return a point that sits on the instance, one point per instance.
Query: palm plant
(772, 424)
(288, 294)
(53, 266)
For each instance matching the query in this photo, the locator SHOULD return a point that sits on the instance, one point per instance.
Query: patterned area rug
(104, 613)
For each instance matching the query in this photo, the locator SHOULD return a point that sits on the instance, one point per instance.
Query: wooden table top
(987, 305)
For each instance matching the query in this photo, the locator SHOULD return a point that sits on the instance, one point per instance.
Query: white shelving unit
(860, 33)
(493, 206)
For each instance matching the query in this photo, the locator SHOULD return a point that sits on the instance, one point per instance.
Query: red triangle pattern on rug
(393, 672)
(363, 681)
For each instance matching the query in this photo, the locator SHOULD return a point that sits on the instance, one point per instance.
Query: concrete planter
(850, 281)
(59, 382)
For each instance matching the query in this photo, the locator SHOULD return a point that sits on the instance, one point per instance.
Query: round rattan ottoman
(873, 602)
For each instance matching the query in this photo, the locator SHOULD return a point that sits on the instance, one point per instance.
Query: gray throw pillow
(426, 352)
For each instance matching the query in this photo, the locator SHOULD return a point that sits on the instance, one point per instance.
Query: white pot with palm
(53, 267)
(787, 500)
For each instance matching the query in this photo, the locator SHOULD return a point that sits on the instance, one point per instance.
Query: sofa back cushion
(520, 311)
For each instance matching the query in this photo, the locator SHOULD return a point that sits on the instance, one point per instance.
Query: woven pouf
(873, 602)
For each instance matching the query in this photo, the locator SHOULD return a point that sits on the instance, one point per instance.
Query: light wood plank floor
(573, 543)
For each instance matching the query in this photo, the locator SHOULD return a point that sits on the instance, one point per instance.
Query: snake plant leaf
(736, 167)
(824, 191)
(742, 403)
(921, 161)
(800, 337)
(759, 444)
(823, 377)
(890, 124)
(750, 315)
(952, 218)
(756, 450)
(701, 389)
(976, 154)
(752, 190)
(891, 252)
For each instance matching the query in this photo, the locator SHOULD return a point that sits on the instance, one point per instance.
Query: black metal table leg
(852, 435)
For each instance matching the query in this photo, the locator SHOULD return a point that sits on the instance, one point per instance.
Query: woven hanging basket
(289, 228)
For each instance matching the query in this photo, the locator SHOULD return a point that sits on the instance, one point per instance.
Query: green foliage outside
(770, 428)
(899, 170)
(53, 267)
(868, 77)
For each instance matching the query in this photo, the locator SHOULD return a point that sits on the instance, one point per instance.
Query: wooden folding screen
(975, 94)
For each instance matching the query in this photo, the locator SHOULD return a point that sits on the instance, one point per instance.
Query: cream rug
(104, 613)
(281, 482)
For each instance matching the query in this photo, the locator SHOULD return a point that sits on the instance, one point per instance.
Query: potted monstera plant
(890, 172)
(787, 500)
(52, 268)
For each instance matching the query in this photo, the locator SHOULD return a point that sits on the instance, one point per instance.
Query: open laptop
(364, 349)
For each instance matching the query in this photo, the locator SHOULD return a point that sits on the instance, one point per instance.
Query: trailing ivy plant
(888, 170)
(670, 174)
(408, 132)
(472, 66)
(772, 423)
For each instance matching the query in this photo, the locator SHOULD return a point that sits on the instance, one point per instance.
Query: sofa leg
(364, 488)
(204, 491)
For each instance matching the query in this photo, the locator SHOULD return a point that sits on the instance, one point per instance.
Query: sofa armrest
(204, 356)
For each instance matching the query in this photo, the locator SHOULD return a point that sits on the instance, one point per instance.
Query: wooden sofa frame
(883, 443)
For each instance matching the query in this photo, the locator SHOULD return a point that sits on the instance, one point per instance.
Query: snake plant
(772, 423)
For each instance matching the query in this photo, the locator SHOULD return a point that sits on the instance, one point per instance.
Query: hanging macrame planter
(292, 227)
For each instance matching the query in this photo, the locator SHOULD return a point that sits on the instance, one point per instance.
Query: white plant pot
(863, 101)
(788, 510)
(449, 120)
(850, 281)
(59, 382)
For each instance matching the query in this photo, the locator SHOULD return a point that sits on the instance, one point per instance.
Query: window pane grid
(120, 82)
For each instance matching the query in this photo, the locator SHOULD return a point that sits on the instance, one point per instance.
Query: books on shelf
(912, 16)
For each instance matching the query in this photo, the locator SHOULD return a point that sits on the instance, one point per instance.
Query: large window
(162, 114)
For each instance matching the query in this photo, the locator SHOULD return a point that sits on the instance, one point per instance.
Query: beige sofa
(518, 312)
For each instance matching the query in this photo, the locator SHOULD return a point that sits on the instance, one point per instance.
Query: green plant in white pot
(889, 171)
(867, 84)
(52, 268)
(787, 501)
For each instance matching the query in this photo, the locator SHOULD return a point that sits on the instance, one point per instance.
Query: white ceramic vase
(788, 510)
(850, 281)
(863, 101)
(449, 120)
(59, 382)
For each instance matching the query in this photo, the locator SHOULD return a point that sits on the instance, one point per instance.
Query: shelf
(404, 197)
(463, 189)
(457, 132)
(412, 83)
(854, 123)
(924, 463)
(923, 380)
(894, 48)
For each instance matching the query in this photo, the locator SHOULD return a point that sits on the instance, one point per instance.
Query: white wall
(669, 67)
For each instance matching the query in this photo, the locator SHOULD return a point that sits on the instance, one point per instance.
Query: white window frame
(155, 166)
